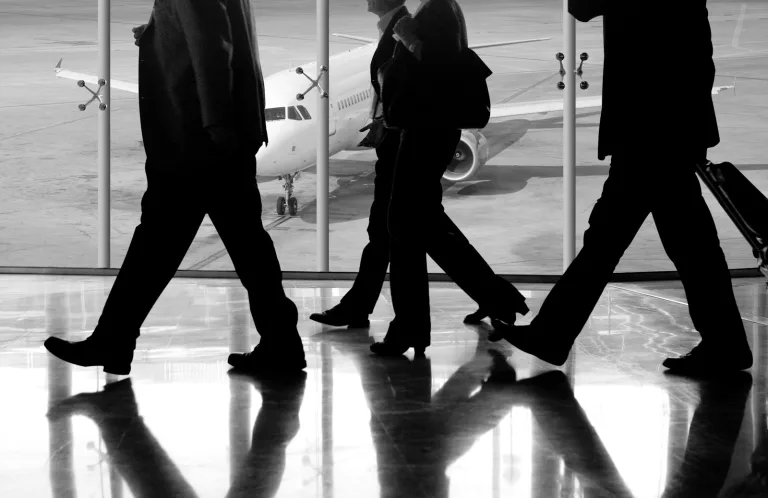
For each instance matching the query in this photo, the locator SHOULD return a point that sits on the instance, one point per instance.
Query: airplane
(290, 122)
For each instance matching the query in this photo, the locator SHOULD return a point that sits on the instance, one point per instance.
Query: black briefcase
(744, 203)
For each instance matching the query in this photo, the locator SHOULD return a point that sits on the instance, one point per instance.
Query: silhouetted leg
(375, 258)
(613, 224)
(466, 416)
(131, 447)
(276, 426)
(459, 259)
(398, 392)
(414, 211)
(235, 210)
(464, 381)
(171, 214)
(566, 426)
(711, 438)
(690, 239)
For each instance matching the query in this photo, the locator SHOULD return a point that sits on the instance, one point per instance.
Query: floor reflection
(473, 419)
(418, 435)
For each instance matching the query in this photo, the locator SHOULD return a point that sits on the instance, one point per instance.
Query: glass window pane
(293, 114)
(504, 188)
(275, 113)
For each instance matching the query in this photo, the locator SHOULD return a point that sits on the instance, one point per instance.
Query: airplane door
(331, 119)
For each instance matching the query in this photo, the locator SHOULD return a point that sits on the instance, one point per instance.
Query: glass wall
(48, 197)
(505, 191)
(740, 40)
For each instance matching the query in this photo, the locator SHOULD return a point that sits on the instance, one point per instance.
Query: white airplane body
(291, 128)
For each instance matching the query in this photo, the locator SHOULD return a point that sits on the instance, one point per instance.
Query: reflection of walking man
(639, 184)
(478, 280)
(201, 95)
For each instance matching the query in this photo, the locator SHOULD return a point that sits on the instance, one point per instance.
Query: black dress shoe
(266, 360)
(702, 361)
(532, 340)
(339, 316)
(498, 319)
(478, 316)
(116, 400)
(115, 355)
(398, 341)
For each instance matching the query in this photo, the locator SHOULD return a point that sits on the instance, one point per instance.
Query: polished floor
(474, 419)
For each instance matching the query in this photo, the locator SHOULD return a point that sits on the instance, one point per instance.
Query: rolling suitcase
(744, 203)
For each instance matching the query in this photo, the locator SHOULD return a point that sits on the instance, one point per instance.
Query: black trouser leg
(235, 210)
(418, 173)
(375, 258)
(171, 214)
(668, 189)
(613, 224)
(459, 259)
(415, 212)
(690, 239)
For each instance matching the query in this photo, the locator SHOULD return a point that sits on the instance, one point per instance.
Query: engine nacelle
(471, 155)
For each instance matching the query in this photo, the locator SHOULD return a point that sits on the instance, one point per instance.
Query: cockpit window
(293, 114)
(304, 112)
(275, 113)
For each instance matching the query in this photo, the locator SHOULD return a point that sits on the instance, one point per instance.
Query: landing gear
(289, 200)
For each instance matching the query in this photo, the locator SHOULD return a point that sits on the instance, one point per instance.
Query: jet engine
(470, 156)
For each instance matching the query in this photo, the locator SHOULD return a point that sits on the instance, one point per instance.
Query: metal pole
(323, 129)
(569, 138)
(104, 134)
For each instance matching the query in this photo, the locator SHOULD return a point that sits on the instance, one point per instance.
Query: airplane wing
(473, 47)
(505, 43)
(90, 78)
(542, 106)
(507, 110)
(358, 38)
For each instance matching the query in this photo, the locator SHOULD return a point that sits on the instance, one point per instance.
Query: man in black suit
(201, 94)
(359, 302)
(678, 44)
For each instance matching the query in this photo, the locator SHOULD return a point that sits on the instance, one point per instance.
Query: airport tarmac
(512, 211)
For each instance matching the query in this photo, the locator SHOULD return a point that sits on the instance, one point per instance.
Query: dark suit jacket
(657, 78)
(441, 28)
(383, 53)
(199, 67)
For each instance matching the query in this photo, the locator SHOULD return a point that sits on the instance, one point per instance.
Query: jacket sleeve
(208, 34)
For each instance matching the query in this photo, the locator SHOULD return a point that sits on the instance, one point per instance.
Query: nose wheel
(289, 201)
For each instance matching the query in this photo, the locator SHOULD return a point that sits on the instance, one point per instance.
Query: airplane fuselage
(293, 138)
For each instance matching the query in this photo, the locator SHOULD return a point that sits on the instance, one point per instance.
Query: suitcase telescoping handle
(711, 175)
